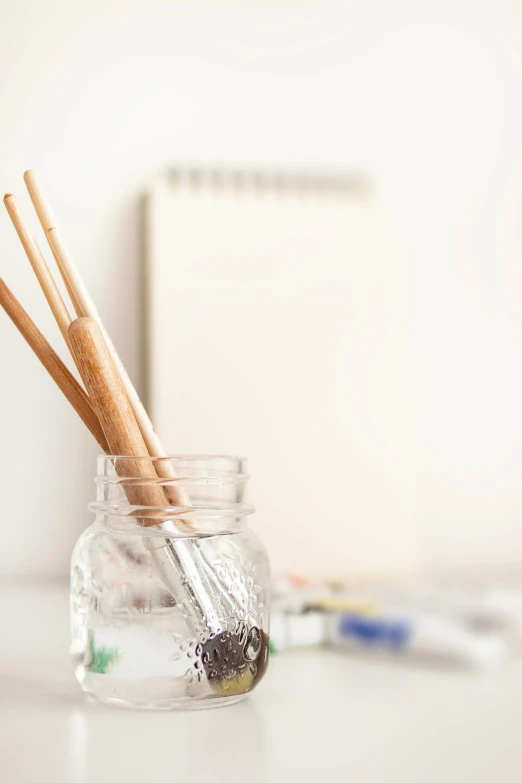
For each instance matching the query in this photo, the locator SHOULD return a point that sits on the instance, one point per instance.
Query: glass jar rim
(175, 459)
(185, 470)
(207, 493)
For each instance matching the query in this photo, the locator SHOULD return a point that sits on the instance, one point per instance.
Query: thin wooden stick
(52, 363)
(84, 305)
(47, 221)
(41, 205)
(115, 414)
(41, 270)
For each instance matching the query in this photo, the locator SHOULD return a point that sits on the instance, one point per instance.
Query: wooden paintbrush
(228, 658)
(84, 306)
(232, 661)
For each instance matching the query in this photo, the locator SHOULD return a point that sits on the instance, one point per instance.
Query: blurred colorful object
(435, 625)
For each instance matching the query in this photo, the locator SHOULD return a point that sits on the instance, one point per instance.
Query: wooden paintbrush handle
(52, 363)
(47, 221)
(41, 270)
(84, 306)
(114, 411)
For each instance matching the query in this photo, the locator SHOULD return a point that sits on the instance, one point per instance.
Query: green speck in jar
(101, 658)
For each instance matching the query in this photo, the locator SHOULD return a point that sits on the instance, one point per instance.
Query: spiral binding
(353, 184)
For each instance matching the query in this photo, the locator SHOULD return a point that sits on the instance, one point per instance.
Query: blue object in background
(378, 631)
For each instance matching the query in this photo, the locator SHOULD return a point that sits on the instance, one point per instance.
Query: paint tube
(406, 633)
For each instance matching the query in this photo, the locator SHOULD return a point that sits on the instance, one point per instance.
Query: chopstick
(52, 363)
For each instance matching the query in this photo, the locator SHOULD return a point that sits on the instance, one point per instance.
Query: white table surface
(317, 716)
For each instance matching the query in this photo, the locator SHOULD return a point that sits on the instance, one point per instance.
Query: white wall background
(426, 97)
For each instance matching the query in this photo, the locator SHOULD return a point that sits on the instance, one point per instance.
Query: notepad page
(275, 330)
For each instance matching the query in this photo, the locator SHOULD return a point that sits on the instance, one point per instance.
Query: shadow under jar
(170, 605)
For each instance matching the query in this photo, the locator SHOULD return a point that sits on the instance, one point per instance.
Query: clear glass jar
(170, 604)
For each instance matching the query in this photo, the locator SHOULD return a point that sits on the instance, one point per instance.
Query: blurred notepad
(276, 330)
